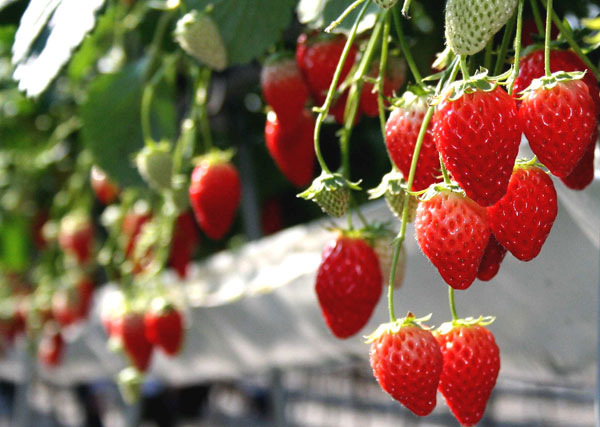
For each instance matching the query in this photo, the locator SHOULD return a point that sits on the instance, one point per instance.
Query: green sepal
(411, 95)
(443, 60)
(214, 157)
(331, 191)
(446, 327)
(277, 57)
(552, 80)
(479, 82)
(435, 189)
(130, 384)
(394, 327)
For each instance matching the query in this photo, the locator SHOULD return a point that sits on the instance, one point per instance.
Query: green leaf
(14, 244)
(111, 121)
(248, 27)
(49, 33)
(320, 13)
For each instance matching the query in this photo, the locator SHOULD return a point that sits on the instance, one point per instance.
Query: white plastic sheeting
(255, 309)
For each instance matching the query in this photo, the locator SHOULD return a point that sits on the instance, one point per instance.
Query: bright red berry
(478, 137)
(471, 367)
(559, 123)
(215, 193)
(76, 236)
(401, 134)
(185, 239)
(283, 88)
(131, 227)
(129, 327)
(407, 362)
(532, 67)
(392, 81)
(292, 147)
(453, 232)
(51, 347)
(492, 258)
(318, 60)
(523, 218)
(105, 189)
(583, 174)
(348, 284)
(164, 328)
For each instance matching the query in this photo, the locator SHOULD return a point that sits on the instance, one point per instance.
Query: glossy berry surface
(492, 258)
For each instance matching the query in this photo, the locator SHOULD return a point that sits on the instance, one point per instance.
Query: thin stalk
(537, 16)
(324, 109)
(201, 100)
(452, 303)
(343, 16)
(159, 35)
(464, 68)
(405, 50)
(517, 47)
(508, 30)
(487, 59)
(444, 171)
(145, 113)
(547, 38)
(383, 71)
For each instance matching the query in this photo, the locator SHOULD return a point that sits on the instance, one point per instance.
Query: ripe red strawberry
(407, 362)
(478, 137)
(215, 193)
(185, 239)
(401, 134)
(338, 109)
(51, 346)
(85, 289)
(76, 236)
(348, 284)
(318, 59)
(131, 228)
(283, 88)
(531, 67)
(583, 173)
(291, 147)
(453, 232)
(65, 306)
(471, 367)
(392, 81)
(492, 258)
(523, 218)
(164, 328)
(105, 189)
(129, 327)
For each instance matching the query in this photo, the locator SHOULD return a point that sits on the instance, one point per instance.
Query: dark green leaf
(111, 121)
(320, 13)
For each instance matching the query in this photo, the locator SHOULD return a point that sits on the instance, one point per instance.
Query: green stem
(405, 50)
(201, 100)
(324, 109)
(159, 35)
(452, 304)
(487, 59)
(343, 16)
(383, 71)
(464, 68)
(547, 38)
(444, 171)
(517, 47)
(537, 16)
(145, 113)
(405, 8)
(500, 59)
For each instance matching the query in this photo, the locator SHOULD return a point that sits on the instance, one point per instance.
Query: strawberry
(85, 289)
(291, 147)
(105, 189)
(407, 362)
(559, 120)
(453, 232)
(131, 228)
(471, 367)
(492, 258)
(283, 88)
(401, 134)
(331, 192)
(523, 218)
(185, 239)
(65, 306)
(471, 24)
(338, 109)
(318, 58)
(582, 174)
(531, 67)
(164, 327)
(215, 193)
(394, 189)
(384, 248)
(199, 36)
(392, 81)
(348, 284)
(155, 165)
(478, 134)
(51, 347)
(76, 236)
(129, 327)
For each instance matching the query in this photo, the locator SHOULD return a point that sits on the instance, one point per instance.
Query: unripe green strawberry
(155, 165)
(393, 188)
(199, 36)
(385, 4)
(331, 192)
(471, 24)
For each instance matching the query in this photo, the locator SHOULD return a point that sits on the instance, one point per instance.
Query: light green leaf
(320, 13)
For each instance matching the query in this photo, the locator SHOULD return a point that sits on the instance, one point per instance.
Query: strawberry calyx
(528, 163)
(446, 327)
(394, 327)
(479, 82)
(435, 189)
(214, 157)
(391, 183)
(549, 82)
(278, 57)
(331, 191)
(412, 95)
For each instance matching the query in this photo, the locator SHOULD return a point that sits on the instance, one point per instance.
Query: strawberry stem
(500, 60)
(343, 16)
(324, 109)
(464, 68)
(201, 100)
(537, 17)
(547, 38)
(451, 302)
(382, 71)
(444, 171)
(515, 72)
(405, 50)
